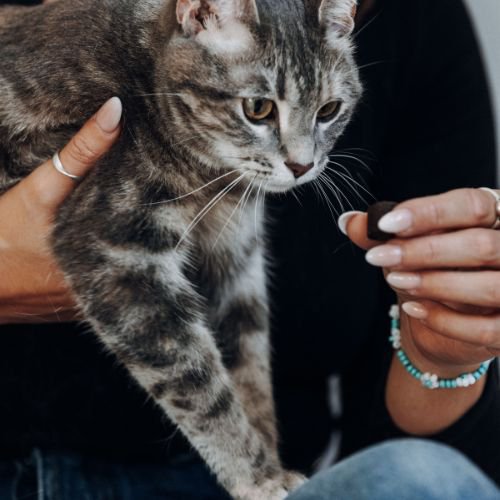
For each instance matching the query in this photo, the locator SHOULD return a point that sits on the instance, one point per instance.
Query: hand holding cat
(32, 288)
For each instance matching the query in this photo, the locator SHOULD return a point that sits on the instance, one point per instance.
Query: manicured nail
(109, 116)
(404, 281)
(415, 310)
(396, 221)
(344, 220)
(384, 256)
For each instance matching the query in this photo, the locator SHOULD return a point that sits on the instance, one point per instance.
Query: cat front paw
(271, 489)
(293, 480)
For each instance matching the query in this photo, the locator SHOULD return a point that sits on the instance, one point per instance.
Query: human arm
(453, 320)
(439, 138)
(32, 288)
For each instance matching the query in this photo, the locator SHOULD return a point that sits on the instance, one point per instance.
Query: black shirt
(424, 126)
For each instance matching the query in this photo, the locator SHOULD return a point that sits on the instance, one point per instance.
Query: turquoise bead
(416, 373)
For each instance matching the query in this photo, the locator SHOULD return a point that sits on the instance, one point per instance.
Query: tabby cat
(162, 241)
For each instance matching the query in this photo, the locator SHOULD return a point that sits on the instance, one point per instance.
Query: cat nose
(297, 169)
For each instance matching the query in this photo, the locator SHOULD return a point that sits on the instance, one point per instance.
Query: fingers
(47, 186)
(475, 329)
(354, 225)
(473, 288)
(466, 248)
(457, 209)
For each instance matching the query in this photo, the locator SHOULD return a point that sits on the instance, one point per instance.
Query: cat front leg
(252, 379)
(243, 335)
(148, 314)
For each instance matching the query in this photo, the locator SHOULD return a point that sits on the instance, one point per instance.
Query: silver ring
(56, 161)
(495, 195)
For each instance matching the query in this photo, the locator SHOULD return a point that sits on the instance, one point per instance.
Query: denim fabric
(64, 476)
(405, 469)
(399, 470)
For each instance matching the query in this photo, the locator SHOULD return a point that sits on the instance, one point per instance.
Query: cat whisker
(259, 170)
(323, 182)
(197, 190)
(231, 216)
(337, 191)
(374, 63)
(367, 152)
(352, 157)
(208, 207)
(294, 194)
(372, 20)
(348, 175)
(246, 197)
(352, 183)
(323, 197)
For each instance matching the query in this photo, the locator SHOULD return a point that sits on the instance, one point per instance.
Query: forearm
(416, 409)
(423, 412)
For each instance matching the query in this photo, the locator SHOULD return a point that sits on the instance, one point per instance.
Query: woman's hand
(444, 264)
(32, 288)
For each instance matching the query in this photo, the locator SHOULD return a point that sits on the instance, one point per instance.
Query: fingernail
(396, 221)
(415, 310)
(384, 256)
(404, 281)
(344, 220)
(109, 116)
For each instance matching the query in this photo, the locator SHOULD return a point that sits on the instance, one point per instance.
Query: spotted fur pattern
(180, 299)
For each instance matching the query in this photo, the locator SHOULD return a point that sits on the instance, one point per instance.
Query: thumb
(48, 187)
(355, 225)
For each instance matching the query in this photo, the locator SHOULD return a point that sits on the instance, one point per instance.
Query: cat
(162, 241)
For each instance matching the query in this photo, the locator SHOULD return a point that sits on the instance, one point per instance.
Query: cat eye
(329, 111)
(258, 109)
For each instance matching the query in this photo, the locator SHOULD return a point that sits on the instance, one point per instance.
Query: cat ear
(198, 15)
(338, 17)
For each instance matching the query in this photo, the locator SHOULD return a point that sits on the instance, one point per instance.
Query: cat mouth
(280, 178)
(285, 184)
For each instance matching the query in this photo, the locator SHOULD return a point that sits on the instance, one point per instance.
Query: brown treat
(375, 213)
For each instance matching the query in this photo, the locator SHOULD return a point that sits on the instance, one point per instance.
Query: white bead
(394, 312)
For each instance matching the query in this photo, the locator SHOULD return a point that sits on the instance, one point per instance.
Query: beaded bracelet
(430, 380)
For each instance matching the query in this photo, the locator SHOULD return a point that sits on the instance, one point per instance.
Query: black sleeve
(442, 134)
(441, 137)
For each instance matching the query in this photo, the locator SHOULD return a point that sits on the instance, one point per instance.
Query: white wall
(486, 14)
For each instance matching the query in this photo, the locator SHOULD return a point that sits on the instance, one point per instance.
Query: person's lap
(402, 470)
(63, 476)
(406, 469)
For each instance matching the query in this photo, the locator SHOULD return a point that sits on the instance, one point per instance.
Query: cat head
(262, 86)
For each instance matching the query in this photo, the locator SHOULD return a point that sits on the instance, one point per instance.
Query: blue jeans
(399, 470)
(405, 469)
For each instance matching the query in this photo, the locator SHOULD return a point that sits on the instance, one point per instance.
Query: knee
(403, 469)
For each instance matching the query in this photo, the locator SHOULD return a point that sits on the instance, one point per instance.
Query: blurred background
(486, 15)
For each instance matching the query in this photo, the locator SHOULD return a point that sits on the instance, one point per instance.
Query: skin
(32, 289)
(449, 272)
